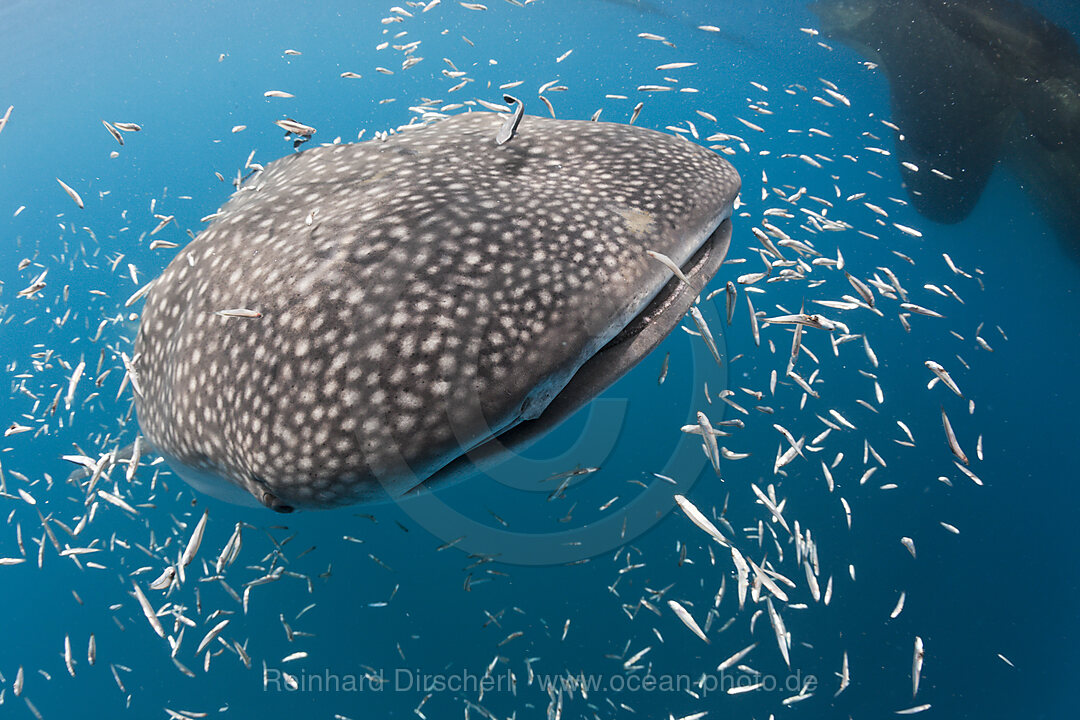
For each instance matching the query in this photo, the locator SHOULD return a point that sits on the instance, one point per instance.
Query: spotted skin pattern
(412, 297)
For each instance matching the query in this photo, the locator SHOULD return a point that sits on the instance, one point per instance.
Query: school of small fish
(747, 577)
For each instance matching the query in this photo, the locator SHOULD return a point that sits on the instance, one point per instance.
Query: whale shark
(974, 84)
(360, 319)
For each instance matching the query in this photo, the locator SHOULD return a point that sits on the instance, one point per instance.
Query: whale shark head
(359, 317)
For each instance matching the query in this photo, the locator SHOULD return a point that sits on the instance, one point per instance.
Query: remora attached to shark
(400, 303)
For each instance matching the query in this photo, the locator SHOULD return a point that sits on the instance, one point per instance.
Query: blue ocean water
(396, 618)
